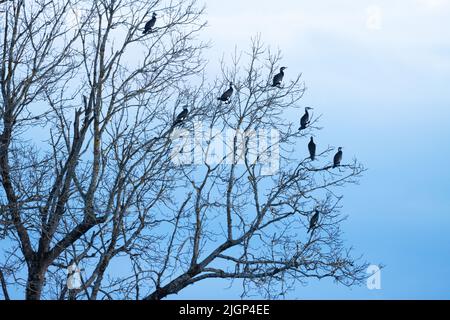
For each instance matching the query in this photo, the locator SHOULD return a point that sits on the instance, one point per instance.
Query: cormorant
(337, 158)
(227, 94)
(150, 24)
(312, 149)
(304, 121)
(313, 221)
(181, 116)
(278, 78)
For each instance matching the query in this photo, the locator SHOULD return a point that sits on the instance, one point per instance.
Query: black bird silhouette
(278, 78)
(312, 149)
(181, 116)
(304, 121)
(150, 24)
(225, 97)
(337, 158)
(313, 221)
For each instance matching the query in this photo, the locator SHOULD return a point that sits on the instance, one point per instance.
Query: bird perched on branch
(337, 158)
(313, 221)
(312, 149)
(225, 97)
(181, 116)
(304, 121)
(150, 24)
(278, 78)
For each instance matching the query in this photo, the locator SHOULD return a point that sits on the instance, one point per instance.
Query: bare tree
(90, 160)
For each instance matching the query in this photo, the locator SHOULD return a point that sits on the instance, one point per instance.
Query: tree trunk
(35, 283)
(175, 285)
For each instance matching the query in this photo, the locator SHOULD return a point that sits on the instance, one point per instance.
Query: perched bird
(313, 221)
(278, 78)
(312, 149)
(181, 116)
(150, 24)
(304, 121)
(225, 97)
(337, 158)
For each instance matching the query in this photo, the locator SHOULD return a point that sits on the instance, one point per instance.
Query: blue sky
(379, 72)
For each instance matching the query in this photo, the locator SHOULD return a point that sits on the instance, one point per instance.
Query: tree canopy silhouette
(89, 168)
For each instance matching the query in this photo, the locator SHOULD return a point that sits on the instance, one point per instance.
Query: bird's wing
(182, 115)
(150, 23)
(276, 78)
(313, 221)
(315, 218)
(304, 119)
(336, 158)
